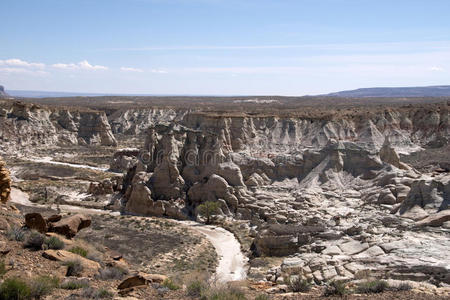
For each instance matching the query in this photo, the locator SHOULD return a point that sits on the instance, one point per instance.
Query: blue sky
(222, 47)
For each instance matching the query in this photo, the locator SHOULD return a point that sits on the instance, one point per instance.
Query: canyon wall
(226, 157)
(25, 127)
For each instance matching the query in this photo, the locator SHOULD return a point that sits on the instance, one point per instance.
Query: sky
(222, 47)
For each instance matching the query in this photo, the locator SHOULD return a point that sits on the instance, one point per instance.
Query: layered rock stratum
(25, 127)
(332, 188)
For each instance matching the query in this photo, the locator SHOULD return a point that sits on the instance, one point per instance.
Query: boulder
(90, 267)
(141, 279)
(36, 221)
(70, 226)
(436, 219)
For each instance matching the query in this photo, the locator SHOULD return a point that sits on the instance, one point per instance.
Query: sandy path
(22, 198)
(232, 262)
(49, 160)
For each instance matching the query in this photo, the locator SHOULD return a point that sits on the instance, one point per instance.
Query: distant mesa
(427, 91)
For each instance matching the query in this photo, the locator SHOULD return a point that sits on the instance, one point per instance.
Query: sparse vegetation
(224, 293)
(404, 286)
(208, 209)
(372, 287)
(3, 269)
(74, 285)
(14, 289)
(74, 268)
(298, 284)
(112, 273)
(262, 297)
(54, 243)
(91, 293)
(196, 288)
(16, 234)
(168, 283)
(43, 285)
(79, 250)
(335, 288)
(34, 240)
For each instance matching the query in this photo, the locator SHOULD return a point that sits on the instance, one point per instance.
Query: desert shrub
(196, 288)
(16, 234)
(262, 297)
(14, 289)
(79, 250)
(74, 285)
(43, 285)
(335, 288)
(3, 269)
(112, 273)
(91, 293)
(34, 240)
(54, 243)
(168, 283)
(208, 209)
(74, 267)
(371, 287)
(224, 293)
(298, 284)
(404, 286)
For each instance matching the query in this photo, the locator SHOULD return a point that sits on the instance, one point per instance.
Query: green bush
(34, 240)
(79, 250)
(371, 287)
(74, 285)
(335, 288)
(14, 289)
(16, 234)
(297, 284)
(74, 268)
(54, 243)
(196, 288)
(168, 283)
(3, 269)
(43, 285)
(208, 209)
(262, 297)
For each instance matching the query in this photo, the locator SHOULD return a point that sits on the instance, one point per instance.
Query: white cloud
(15, 62)
(8, 70)
(82, 65)
(159, 71)
(127, 69)
(436, 69)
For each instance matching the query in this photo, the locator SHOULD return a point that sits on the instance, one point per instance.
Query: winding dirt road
(232, 262)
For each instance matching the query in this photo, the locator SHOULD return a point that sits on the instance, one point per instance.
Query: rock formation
(5, 183)
(29, 126)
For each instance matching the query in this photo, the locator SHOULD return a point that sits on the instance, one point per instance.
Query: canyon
(321, 188)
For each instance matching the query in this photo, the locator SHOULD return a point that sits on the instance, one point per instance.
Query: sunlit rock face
(5, 182)
(25, 127)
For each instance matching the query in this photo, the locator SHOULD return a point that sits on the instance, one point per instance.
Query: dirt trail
(49, 160)
(232, 262)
